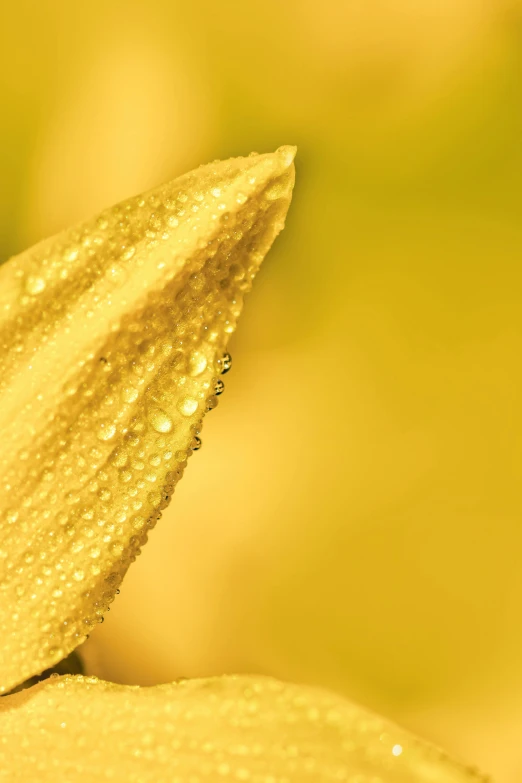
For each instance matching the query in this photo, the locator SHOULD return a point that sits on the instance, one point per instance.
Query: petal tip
(287, 154)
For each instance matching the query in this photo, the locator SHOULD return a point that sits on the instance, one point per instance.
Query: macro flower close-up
(260, 431)
(114, 339)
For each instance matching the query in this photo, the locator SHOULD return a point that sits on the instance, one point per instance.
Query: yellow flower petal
(112, 337)
(244, 728)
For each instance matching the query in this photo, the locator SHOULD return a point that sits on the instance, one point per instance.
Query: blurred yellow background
(354, 518)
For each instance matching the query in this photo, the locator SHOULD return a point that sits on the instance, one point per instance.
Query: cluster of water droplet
(108, 434)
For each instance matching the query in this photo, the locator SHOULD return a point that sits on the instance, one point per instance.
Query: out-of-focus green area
(354, 518)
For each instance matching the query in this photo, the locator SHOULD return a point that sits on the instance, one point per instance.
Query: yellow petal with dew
(245, 728)
(112, 338)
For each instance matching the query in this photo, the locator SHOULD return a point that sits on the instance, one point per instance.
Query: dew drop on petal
(11, 516)
(128, 252)
(154, 498)
(197, 363)
(225, 363)
(106, 430)
(212, 403)
(34, 285)
(129, 394)
(187, 406)
(119, 458)
(159, 420)
(72, 253)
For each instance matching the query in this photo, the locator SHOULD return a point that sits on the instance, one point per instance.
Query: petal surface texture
(251, 729)
(112, 337)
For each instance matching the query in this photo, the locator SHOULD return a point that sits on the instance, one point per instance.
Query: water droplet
(159, 420)
(219, 388)
(128, 253)
(117, 274)
(78, 575)
(72, 255)
(196, 444)
(106, 430)
(225, 363)
(212, 403)
(275, 191)
(187, 406)
(138, 522)
(34, 285)
(197, 363)
(119, 458)
(154, 498)
(129, 394)
(11, 516)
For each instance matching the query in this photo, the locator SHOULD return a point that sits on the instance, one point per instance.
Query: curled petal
(112, 337)
(251, 729)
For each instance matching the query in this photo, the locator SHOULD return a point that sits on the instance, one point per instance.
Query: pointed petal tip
(287, 154)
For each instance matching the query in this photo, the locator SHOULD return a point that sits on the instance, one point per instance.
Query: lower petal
(242, 728)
